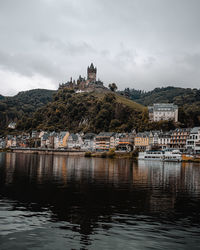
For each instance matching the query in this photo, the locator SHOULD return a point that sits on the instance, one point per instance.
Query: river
(57, 202)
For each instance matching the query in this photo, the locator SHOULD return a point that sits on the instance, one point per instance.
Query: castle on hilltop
(83, 84)
(91, 73)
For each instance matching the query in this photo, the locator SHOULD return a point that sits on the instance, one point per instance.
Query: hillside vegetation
(90, 112)
(22, 104)
(123, 100)
(95, 111)
(1, 97)
(187, 99)
(85, 112)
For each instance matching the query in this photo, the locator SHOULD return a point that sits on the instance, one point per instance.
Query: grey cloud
(67, 47)
(136, 43)
(28, 64)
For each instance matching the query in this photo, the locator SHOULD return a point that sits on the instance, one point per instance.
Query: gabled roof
(89, 136)
(74, 137)
(143, 134)
(109, 134)
(62, 134)
(195, 130)
(45, 136)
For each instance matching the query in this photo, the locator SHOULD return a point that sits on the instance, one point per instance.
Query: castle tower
(91, 73)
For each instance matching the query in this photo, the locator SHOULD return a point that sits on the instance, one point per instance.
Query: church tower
(91, 73)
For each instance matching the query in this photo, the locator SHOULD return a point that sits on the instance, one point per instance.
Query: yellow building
(104, 141)
(62, 140)
(141, 140)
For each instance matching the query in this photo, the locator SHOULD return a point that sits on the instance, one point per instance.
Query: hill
(121, 99)
(22, 104)
(187, 99)
(87, 112)
(1, 97)
(99, 110)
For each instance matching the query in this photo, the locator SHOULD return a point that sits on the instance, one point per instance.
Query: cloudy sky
(139, 44)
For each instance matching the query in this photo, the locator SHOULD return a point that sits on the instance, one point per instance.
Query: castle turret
(91, 73)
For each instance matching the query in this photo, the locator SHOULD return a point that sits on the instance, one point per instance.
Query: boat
(161, 155)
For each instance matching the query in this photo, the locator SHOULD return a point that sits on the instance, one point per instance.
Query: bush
(88, 154)
(111, 153)
(135, 153)
(104, 155)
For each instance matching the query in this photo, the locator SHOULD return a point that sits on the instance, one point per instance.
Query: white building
(163, 111)
(74, 141)
(88, 142)
(193, 142)
(12, 125)
(153, 138)
(164, 140)
(2, 143)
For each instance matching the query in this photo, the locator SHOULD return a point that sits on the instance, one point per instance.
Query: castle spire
(91, 73)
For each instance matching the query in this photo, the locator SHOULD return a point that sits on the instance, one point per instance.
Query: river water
(58, 202)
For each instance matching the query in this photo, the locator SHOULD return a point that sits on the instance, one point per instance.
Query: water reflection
(88, 196)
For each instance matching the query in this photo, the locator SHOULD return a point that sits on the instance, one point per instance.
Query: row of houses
(185, 139)
(65, 140)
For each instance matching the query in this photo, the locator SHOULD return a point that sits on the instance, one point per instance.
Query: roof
(62, 134)
(12, 123)
(143, 134)
(74, 137)
(195, 130)
(89, 136)
(162, 107)
(45, 136)
(109, 134)
(182, 130)
(165, 135)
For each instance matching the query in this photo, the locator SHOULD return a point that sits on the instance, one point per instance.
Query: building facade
(164, 140)
(193, 141)
(104, 141)
(179, 137)
(163, 112)
(141, 141)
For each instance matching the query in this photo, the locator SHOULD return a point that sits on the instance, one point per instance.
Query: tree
(112, 87)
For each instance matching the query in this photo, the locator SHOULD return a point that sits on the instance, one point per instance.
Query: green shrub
(88, 154)
(111, 153)
(135, 153)
(104, 155)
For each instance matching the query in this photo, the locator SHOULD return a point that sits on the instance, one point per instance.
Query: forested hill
(187, 99)
(95, 111)
(22, 104)
(1, 97)
(87, 112)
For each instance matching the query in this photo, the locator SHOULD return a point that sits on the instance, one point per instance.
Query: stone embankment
(48, 151)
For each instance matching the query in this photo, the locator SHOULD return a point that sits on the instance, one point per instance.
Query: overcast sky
(139, 44)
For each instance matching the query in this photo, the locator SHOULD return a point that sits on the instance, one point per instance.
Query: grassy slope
(122, 100)
(88, 112)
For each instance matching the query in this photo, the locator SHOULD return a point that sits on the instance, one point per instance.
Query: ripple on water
(56, 202)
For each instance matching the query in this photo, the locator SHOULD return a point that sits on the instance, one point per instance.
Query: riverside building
(163, 112)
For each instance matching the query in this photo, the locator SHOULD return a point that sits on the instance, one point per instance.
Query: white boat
(172, 155)
(167, 155)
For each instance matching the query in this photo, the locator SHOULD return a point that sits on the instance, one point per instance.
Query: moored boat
(167, 155)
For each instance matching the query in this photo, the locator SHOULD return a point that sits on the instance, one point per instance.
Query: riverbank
(49, 152)
(190, 158)
(4, 150)
(109, 154)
